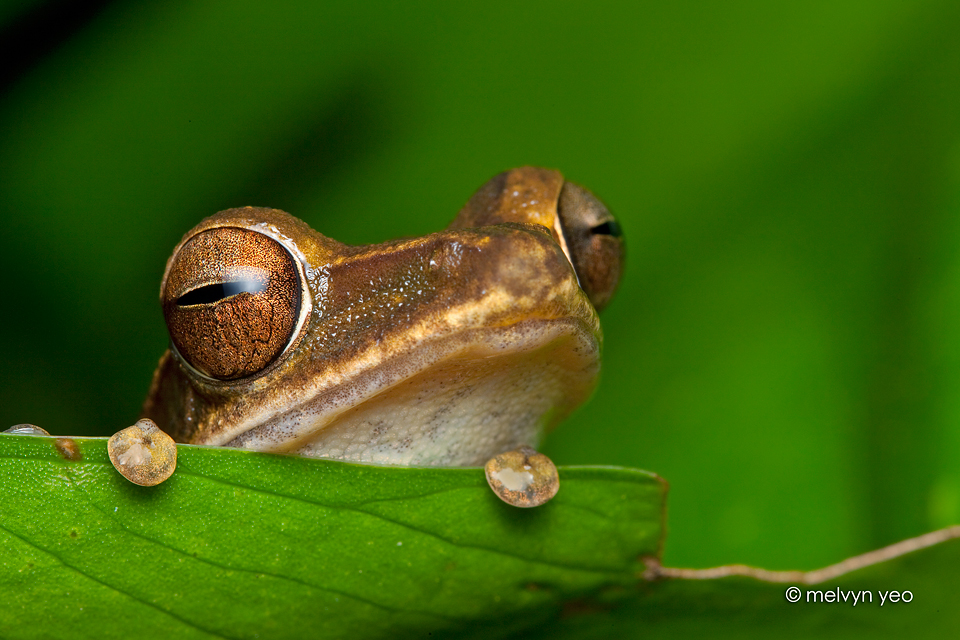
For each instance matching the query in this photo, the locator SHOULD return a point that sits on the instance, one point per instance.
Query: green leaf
(239, 544)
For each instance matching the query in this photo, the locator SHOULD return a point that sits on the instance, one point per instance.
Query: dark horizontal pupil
(608, 228)
(211, 293)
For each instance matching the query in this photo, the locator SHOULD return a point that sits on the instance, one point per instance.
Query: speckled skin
(441, 350)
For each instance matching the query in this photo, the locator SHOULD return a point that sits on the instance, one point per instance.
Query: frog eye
(232, 301)
(594, 240)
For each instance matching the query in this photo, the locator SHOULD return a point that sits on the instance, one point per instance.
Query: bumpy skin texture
(441, 350)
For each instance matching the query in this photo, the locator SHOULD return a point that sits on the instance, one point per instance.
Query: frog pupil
(208, 294)
(608, 228)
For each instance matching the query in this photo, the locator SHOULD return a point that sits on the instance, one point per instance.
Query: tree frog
(442, 350)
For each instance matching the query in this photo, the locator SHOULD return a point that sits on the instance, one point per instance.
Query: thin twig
(655, 571)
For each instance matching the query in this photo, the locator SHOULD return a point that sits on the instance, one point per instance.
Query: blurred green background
(784, 348)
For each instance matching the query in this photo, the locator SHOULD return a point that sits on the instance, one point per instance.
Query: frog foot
(523, 477)
(27, 430)
(143, 453)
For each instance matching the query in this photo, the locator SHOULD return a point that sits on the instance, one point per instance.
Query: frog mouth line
(379, 415)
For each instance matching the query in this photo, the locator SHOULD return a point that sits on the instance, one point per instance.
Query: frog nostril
(208, 294)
